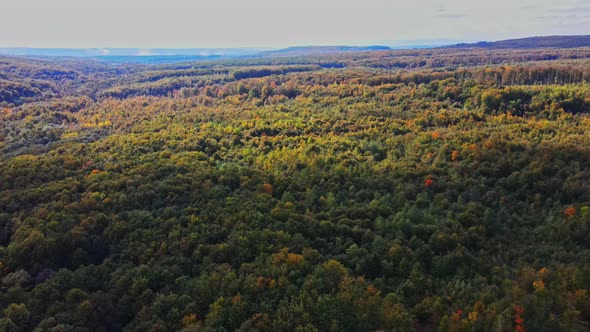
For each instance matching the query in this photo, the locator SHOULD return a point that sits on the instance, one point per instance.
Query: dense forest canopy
(427, 190)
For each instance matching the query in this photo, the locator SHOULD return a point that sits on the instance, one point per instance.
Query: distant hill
(531, 42)
(161, 55)
(158, 59)
(311, 50)
(131, 52)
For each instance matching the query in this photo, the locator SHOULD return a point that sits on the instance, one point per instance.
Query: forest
(387, 190)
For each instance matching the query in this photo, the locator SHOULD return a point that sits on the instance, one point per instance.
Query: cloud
(450, 15)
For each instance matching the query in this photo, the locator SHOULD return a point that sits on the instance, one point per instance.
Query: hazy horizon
(391, 44)
(180, 24)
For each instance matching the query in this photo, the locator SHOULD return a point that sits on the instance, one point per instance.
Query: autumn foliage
(518, 320)
(570, 211)
(267, 188)
(377, 191)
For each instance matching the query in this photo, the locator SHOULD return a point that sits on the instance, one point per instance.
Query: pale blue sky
(276, 23)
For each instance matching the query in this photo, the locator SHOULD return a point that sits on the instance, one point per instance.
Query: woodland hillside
(414, 190)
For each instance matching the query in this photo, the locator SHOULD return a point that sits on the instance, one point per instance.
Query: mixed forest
(415, 190)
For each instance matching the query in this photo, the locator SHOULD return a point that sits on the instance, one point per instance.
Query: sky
(279, 23)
